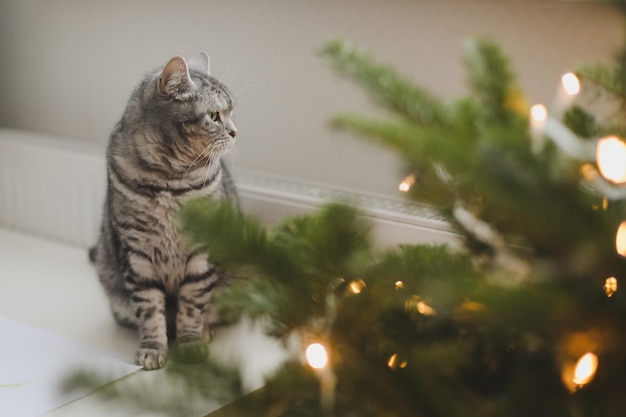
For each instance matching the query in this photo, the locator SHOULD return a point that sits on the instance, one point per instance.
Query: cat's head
(186, 112)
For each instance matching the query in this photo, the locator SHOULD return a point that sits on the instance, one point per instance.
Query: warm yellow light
(620, 239)
(610, 286)
(393, 360)
(585, 369)
(407, 183)
(399, 285)
(570, 83)
(356, 286)
(538, 113)
(316, 355)
(411, 303)
(611, 158)
(394, 363)
(424, 309)
(588, 171)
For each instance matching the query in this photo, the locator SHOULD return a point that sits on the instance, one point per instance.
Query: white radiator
(51, 187)
(55, 187)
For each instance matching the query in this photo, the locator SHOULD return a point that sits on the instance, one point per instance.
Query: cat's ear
(175, 77)
(201, 62)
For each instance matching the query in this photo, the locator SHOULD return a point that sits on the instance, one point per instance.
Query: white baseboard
(55, 187)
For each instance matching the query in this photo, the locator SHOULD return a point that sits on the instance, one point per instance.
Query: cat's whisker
(230, 78)
(244, 88)
(196, 160)
(208, 166)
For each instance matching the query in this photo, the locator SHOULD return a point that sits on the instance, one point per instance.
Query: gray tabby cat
(165, 150)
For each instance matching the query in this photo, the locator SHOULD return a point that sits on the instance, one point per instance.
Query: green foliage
(365, 327)
(609, 80)
(385, 85)
(428, 333)
(248, 243)
(480, 155)
(179, 389)
(490, 349)
(491, 82)
(293, 266)
(581, 122)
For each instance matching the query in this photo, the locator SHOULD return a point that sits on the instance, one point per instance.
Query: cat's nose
(232, 133)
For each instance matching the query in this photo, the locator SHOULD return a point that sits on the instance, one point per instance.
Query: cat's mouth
(226, 143)
(210, 148)
(215, 150)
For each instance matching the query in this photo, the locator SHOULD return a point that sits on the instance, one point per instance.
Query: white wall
(67, 66)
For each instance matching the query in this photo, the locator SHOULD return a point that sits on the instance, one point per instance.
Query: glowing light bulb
(395, 363)
(588, 171)
(415, 303)
(316, 355)
(610, 286)
(586, 368)
(356, 286)
(570, 83)
(620, 239)
(407, 183)
(424, 309)
(538, 120)
(538, 113)
(611, 158)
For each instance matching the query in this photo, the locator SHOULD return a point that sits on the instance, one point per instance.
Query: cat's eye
(215, 116)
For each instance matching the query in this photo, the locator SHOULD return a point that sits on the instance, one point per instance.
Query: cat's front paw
(151, 358)
(190, 351)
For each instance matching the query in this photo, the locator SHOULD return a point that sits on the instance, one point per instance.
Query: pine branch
(582, 123)
(440, 274)
(419, 146)
(286, 274)
(233, 240)
(385, 85)
(492, 82)
(333, 241)
(417, 143)
(616, 129)
(485, 151)
(609, 80)
(271, 276)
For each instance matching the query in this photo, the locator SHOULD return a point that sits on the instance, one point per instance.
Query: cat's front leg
(150, 309)
(148, 305)
(194, 295)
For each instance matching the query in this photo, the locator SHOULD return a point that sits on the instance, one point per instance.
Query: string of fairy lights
(607, 176)
(603, 168)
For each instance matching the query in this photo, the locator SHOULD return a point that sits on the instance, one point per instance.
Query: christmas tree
(524, 317)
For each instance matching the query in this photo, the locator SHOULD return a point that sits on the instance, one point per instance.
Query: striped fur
(165, 150)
